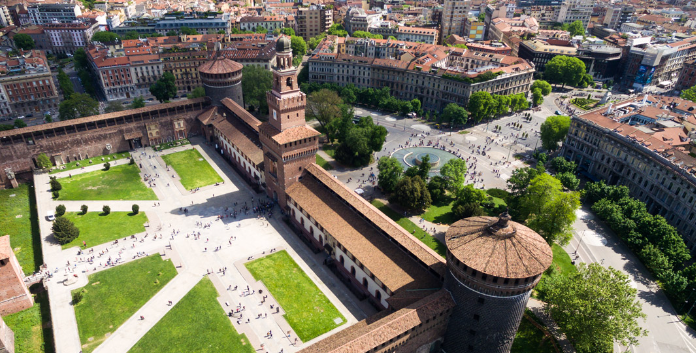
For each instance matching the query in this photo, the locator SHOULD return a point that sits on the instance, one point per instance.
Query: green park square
(192, 168)
(97, 228)
(121, 182)
(197, 323)
(114, 295)
(308, 311)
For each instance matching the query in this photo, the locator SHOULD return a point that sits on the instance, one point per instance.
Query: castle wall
(6, 338)
(14, 295)
(217, 94)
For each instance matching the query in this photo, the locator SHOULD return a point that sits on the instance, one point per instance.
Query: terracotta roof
(220, 65)
(370, 333)
(291, 134)
(498, 247)
(5, 247)
(351, 220)
(151, 108)
(238, 133)
(241, 113)
(207, 115)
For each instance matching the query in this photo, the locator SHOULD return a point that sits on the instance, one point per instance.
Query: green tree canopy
(256, 81)
(64, 231)
(188, 31)
(576, 28)
(689, 93)
(454, 173)
(138, 102)
(565, 70)
(81, 60)
(481, 105)
(104, 37)
(79, 105)
(43, 161)
(165, 88)
(298, 45)
(454, 114)
(554, 130)
(411, 193)
(287, 31)
(595, 307)
(364, 34)
(554, 222)
(114, 107)
(537, 97)
(65, 84)
(324, 106)
(543, 85)
(337, 30)
(389, 173)
(24, 41)
(19, 123)
(196, 93)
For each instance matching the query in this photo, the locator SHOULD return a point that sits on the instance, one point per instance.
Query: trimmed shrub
(106, 210)
(60, 210)
(83, 208)
(135, 209)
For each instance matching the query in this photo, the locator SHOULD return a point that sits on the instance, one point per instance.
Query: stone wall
(14, 295)
(6, 338)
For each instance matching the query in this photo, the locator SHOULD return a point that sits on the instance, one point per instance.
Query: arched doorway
(378, 294)
(352, 270)
(340, 259)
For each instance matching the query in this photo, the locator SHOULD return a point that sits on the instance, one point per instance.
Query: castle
(472, 301)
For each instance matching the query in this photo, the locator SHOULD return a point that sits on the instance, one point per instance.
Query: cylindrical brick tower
(222, 78)
(493, 265)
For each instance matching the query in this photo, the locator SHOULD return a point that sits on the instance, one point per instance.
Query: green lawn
(86, 162)
(32, 330)
(114, 295)
(96, 228)
(561, 266)
(323, 163)
(192, 168)
(195, 324)
(330, 150)
(24, 231)
(412, 228)
(121, 182)
(440, 212)
(168, 145)
(530, 339)
(308, 311)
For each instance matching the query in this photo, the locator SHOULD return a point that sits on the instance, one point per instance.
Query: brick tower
(289, 144)
(492, 266)
(14, 295)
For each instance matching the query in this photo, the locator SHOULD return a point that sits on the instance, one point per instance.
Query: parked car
(20, 117)
(558, 112)
(51, 216)
(150, 99)
(30, 115)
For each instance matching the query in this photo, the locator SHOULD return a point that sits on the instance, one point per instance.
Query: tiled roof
(328, 201)
(238, 133)
(370, 333)
(220, 65)
(5, 247)
(291, 134)
(497, 248)
(241, 113)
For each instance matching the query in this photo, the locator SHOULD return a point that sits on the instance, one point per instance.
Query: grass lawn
(24, 231)
(192, 168)
(32, 331)
(412, 228)
(121, 182)
(96, 228)
(114, 295)
(561, 266)
(323, 163)
(584, 103)
(195, 324)
(330, 150)
(440, 212)
(530, 339)
(86, 162)
(308, 311)
(168, 145)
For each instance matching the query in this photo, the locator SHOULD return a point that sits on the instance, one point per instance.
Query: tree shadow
(35, 230)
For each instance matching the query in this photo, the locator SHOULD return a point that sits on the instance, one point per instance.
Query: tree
(454, 172)
(537, 97)
(424, 167)
(416, 106)
(470, 195)
(256, 81)
(595, 307)
(64, 230)
(81, 60)
(565, 70)
(138, 102)
(389, 173)
(136, 209)
(43, 161)
(314, 41)
(437, 187)
(562, 165)
(261, 29)
(106, 210)
(554, 130)
(287, 31)
(324, 106)
(454, 114)
(165, 88)
(480, 105)
(554, 222)
(576, 28)
(467, 210)
(107, 166)
(196, 93)
(543, 85)
(65, 84)
(55, 185)
(169, 34)
(114, 107)
(189, 31)
(60, 210)
(569, 180)
(79, 105)
(541, 190)
(689, 93)
(337, 30)
(298, 45)
(411, 193)
(24, 41)
(19, 123)
(84, 209)
(104, 37)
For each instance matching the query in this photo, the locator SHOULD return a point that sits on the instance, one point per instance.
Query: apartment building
(404, 33)
(474, 29)
(358, 19)
(616, 16)
(271, 23)
(41, 14)
(68, 37)
(207, 25)
(454, 15)
(313, 21)
(5, 17)
(575, 10)
(27, 85)
(650, 64)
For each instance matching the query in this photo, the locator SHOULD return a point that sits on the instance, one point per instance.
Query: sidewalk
(537, 307)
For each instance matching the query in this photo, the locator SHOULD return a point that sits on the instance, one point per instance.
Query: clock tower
(289, 144)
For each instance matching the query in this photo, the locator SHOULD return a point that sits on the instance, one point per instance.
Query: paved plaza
(169, 232)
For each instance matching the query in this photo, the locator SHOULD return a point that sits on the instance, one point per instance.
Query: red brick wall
(14, 295)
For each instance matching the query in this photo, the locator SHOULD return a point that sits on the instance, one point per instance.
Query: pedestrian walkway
(539, 309)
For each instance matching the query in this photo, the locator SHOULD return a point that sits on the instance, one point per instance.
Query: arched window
(352, 270)
(364, 282)
(378, 294)
(289, 82)
(340, 259)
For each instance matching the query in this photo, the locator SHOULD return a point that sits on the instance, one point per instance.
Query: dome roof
(220, 65)
(498, 247)
(283, 44)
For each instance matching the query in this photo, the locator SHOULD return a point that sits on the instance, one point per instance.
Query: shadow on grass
(35, 232)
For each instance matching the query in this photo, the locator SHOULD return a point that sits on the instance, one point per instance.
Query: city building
(616, 16)
(37, 33)
(41, 14)
(642, 143)
(68, 37)
(540, 52)
(5, 17)
(404, 33)
(313, 20)
(206, 25)
(358, 19)
(14, 295)
(650, 64)
(27, 85)
(687, 77)
(454, 17)
(474, 29)
(271, 23)
(602, 62)
(222, 78)
(575, 10)
(529, 3)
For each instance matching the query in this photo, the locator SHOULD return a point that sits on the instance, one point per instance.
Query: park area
(90, 161)
(530, 338)
(19, 220)
(114, 295)
(308, 311)
(32, 327)
(584, 103)
(121, 182)
(97, 228)
(192, 168)
(197, 323)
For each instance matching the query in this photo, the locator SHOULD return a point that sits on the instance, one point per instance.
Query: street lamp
(575, 253)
